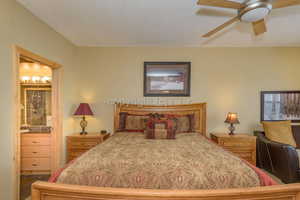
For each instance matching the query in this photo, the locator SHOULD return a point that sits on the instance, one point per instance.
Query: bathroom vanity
(36, 129)
(35, 153)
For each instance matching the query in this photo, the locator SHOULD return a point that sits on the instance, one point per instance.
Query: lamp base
(231, 128)
(83, 124)
(83, 133)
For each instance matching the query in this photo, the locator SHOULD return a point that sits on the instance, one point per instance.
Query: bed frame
(55, 191)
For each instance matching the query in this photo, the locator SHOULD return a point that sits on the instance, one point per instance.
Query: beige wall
(228, 79)
(19, 27)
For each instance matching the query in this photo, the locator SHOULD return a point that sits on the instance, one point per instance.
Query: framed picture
(37, 106)
(280, 106)
(167, 79)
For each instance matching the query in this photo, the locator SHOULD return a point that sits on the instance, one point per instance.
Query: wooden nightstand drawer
(75, 154)
(70, 158)
(242, 145)
(79, 144)
(237, 149)
(244, 154)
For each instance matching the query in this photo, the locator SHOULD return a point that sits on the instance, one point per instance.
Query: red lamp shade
(84, 109)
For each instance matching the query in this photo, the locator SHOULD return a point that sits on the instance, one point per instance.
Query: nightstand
(78, 144)
(242, 145)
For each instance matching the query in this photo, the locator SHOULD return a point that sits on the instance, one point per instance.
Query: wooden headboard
(199, 111)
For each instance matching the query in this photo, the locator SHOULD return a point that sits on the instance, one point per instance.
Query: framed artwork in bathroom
(36, 106)
(280, 106)
(165, 79)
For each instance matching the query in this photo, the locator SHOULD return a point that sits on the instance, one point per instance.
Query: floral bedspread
(128, 160)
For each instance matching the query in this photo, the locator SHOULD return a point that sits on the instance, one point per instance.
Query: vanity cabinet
(35, 153)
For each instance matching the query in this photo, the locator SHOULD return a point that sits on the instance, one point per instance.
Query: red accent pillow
(160, 129)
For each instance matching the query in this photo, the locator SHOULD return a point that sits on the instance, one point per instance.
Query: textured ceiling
(159, 23)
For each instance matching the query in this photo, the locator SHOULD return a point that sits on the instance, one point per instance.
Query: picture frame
(167, 79)
(37, 105)
(280, 106)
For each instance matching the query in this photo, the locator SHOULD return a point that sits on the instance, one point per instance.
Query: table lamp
(83, 110)
(232, 119)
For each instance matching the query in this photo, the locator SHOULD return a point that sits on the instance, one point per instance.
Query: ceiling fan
(251, 11)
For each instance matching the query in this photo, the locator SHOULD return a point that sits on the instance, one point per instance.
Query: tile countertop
(33, 132)
(36, 130)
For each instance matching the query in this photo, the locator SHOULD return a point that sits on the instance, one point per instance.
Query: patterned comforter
(128, 160)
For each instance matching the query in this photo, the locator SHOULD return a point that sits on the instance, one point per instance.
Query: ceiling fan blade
(221, 3)
(259, 27)
(221, 26)
(285, 3)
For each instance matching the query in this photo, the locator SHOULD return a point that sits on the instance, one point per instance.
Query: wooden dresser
(35, 153)
(242, 145)
(78, 144)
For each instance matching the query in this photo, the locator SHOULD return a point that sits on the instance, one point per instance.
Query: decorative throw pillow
(280, 132)
(145, 122)
(149, 133)
(122, 120)
(160, 126)
(156, 115)
(135, 122)
(132, 122)
(160, 129)
(183, 123)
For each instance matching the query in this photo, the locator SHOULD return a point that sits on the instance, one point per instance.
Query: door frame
(57, 115)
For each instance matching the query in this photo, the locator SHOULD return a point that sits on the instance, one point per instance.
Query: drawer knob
(34, 165)
(35, 142)
(34, 152)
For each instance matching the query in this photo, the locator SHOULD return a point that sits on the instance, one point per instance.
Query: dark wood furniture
(243, 145)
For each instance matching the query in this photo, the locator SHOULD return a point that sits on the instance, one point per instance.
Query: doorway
(37, 119)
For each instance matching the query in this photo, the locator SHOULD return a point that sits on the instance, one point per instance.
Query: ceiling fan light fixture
(252, 11)
(255, 11)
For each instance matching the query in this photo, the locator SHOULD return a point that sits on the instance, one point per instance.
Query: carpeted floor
(26, 181)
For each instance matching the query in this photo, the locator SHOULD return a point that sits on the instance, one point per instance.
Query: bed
(190, 167)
